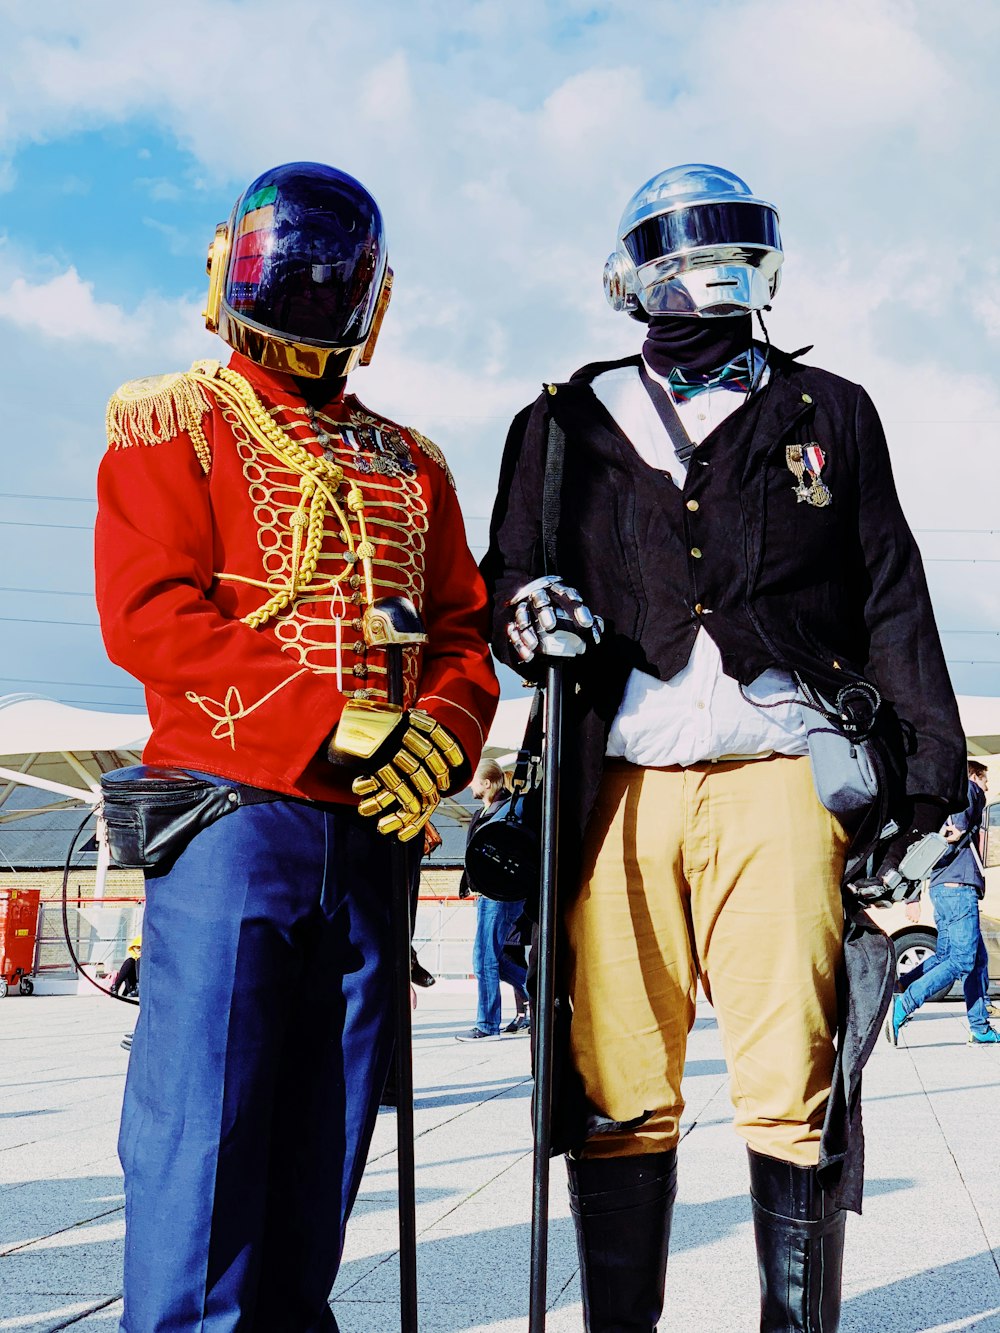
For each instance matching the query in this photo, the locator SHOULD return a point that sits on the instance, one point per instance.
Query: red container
(18, 934)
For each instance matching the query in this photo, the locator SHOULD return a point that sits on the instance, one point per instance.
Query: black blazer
(832, 592)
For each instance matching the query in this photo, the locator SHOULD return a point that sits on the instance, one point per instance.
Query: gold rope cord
(319, 481)
(396, 524)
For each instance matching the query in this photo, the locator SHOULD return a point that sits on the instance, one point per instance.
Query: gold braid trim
(155, 409)
(433, 452)
(319, 481)
(225, 713)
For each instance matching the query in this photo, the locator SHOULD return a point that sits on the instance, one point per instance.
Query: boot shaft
(622, 1209)
(800, 1248)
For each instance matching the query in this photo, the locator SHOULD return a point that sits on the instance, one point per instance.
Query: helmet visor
(703, 226)
(307, 259)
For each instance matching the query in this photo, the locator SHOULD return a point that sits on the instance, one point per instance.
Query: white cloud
(503, 141)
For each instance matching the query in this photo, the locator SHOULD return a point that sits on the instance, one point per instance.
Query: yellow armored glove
(405, 790)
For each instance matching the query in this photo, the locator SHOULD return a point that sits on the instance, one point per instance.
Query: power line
(63, 527)
(72, 499)
(69, 684)
(49, 592)
(24, 620)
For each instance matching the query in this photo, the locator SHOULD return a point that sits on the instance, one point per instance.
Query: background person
(494, 921)
(957, 884)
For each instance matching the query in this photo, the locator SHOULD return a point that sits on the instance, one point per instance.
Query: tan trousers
(730, 873)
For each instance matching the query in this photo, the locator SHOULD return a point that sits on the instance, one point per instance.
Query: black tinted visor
(703, 225)
(307, 259)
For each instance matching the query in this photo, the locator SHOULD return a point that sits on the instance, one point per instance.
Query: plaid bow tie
(736, 375)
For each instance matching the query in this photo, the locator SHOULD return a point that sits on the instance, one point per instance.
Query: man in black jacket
(729, 519)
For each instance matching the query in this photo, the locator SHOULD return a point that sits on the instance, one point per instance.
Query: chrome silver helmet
(694, 241)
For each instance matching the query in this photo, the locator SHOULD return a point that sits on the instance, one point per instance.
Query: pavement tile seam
(958, 1168)
(443, 1124)
(67, 1323)
(60, 1231)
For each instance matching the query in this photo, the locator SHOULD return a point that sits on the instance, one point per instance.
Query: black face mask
(700, 345)
(318, 392)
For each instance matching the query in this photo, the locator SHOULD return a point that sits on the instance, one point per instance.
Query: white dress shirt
(700, 713)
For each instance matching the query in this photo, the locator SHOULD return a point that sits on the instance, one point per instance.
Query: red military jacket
(234, 589)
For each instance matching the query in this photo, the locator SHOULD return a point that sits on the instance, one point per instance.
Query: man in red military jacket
(249, 517)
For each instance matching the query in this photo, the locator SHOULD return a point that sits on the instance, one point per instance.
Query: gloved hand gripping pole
(393, 623)
(545, 997)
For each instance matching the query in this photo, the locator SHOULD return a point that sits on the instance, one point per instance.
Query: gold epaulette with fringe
(155, 409)
(433, 452)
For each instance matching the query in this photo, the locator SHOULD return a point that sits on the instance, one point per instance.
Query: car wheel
(26, 986)
(4, 988)
(912, 947)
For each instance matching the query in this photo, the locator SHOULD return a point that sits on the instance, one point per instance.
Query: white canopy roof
(62, 749)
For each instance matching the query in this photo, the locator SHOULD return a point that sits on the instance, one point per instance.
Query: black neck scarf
(320, 391)
(699, 345)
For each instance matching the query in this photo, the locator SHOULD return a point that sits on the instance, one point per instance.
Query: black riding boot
(800, 1248)
(622, 1208)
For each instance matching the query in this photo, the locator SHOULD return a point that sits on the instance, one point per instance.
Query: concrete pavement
(923, 1259)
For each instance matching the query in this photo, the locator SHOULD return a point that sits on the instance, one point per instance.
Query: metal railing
(101, 931)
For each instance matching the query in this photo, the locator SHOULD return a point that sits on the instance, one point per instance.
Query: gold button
(695, 551)
(698, 608)
(693, 505)
(551, 388)
(806, 398)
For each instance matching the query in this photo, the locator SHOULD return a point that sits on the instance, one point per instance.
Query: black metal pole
(405, 1166)
(545, 999)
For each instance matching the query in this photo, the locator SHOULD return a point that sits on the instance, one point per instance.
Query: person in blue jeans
(957, 885)
(494, 923)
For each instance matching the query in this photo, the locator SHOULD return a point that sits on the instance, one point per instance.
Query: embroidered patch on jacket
(806, 463)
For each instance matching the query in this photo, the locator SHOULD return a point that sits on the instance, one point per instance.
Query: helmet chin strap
(691, 343)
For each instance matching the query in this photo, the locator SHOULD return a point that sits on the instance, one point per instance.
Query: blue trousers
(960, 952)
(261, 1049)
(494, 922)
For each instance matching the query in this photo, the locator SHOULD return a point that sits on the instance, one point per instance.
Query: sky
(502, 141)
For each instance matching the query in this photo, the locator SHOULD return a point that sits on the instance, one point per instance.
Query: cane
(393, 623)
(545, 998)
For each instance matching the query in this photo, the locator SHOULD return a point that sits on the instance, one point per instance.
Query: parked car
(913, 941)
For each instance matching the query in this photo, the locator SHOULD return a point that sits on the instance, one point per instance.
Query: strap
(531, 747)
(684, 446)
(555, 455)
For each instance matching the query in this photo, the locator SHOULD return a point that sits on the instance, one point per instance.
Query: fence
(102, 930)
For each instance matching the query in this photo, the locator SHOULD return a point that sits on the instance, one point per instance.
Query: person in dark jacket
(724, 545)
(494, 924)
(957, 884)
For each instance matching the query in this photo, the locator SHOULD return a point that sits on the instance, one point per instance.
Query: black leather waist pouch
(151, 814)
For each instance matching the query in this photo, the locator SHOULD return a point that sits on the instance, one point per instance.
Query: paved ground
(923, 1257)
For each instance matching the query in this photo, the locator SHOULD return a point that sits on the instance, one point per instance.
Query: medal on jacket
(806, 462)
(388, 453)
(374, 446)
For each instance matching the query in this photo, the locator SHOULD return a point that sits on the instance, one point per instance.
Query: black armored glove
(409, 760)
(903, 863)
(549, 617)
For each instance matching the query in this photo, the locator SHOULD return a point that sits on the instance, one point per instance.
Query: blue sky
(502, 141)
